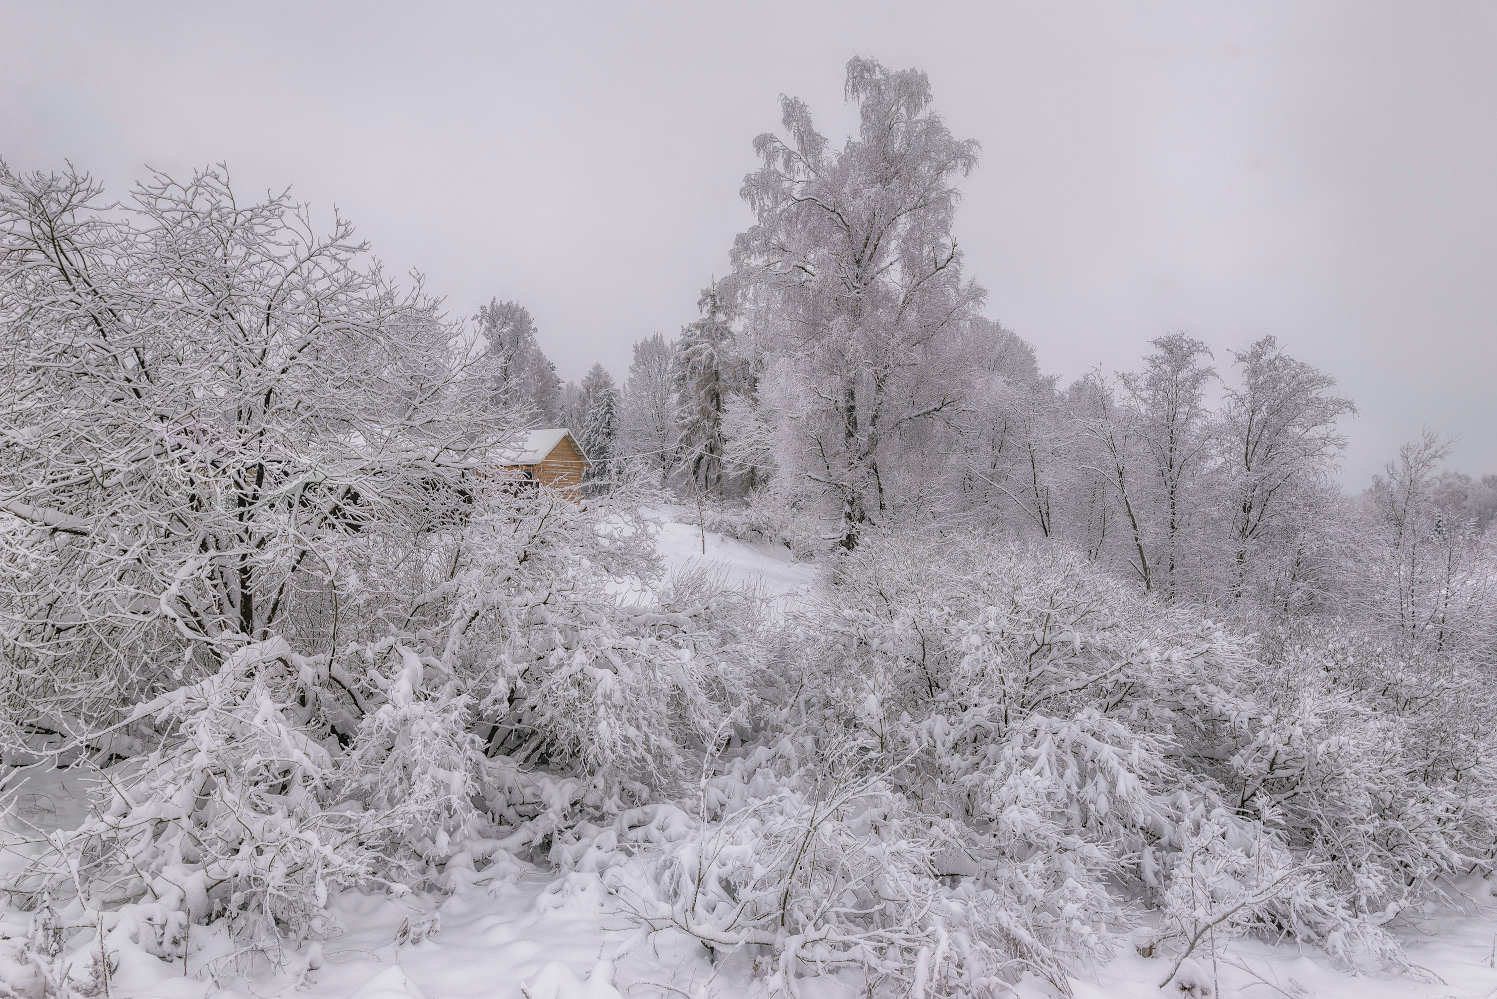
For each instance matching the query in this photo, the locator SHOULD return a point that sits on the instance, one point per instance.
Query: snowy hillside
(519, 931)
(769, 568)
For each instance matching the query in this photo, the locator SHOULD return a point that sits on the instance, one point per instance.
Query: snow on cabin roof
(537, 444)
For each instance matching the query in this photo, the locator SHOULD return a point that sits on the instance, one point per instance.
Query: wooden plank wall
(562, 468)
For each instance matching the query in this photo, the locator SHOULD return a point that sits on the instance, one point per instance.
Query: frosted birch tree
(1113, 458)
(851, 269)
(648, 421)
(1277, 430)
(1168, 406)
(1433, 581)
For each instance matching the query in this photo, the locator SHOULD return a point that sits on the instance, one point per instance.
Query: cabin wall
(562, 468)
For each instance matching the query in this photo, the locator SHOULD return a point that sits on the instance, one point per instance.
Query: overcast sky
(1323, 172)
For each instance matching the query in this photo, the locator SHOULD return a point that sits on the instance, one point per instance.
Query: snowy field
(520, 932)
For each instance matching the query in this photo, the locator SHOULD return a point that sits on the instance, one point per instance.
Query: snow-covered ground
(518, 932)
(769, 568)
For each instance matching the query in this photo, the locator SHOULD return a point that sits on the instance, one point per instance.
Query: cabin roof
(536, 445)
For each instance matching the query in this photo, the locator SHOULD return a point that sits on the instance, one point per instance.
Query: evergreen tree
(600, 432)
(704, 378)
(571, 409)
(576, 400)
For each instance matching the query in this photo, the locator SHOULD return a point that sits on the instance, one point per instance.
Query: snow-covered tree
(522, 374)
(649, 412)
(707, 374)
(1113, 456)
(1430, 579)
(1167, 402)
(600, 432)
(1471, 502)
(852, 270)
(571, 411)
(595, 382)
(207, 403)
(1277, 430)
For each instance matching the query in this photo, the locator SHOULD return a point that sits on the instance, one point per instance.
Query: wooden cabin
(548, 457)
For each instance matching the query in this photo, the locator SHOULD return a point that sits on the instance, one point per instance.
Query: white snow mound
(556, 981)
(392, 983)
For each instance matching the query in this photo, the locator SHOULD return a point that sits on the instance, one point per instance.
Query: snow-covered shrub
(981, 678)
(1017, 712)
(798, 866)
(233, 815)
(1229, 878)
(1218, 887)
(24, 974)
(249, 810)
(517, 698)
(415, 758)
(810, 883)
(522, 611)
(1375, 767)
(262, 570)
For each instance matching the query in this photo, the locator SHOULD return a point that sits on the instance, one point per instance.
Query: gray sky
(1323, 172)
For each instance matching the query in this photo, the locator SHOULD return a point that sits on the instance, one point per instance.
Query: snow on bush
(1373, 765)
(1016, 714)
(264, 577)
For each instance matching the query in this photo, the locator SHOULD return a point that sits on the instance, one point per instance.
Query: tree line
(842, 379)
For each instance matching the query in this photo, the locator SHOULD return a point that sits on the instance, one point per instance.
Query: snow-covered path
(769, 568)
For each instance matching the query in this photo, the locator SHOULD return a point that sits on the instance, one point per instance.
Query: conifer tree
(704, 376)
(600, 432)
